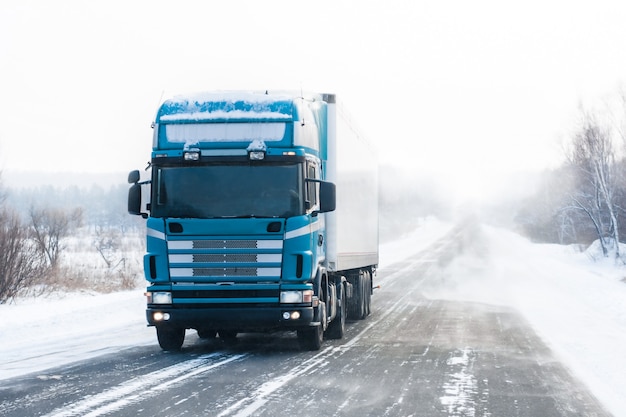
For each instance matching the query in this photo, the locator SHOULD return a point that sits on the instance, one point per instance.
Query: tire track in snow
(248, 406)
(143, 387)
(460, 387)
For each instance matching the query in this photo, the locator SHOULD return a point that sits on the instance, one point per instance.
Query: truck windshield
(228, 191)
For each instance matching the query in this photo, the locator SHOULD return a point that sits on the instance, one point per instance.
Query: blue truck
(262, 215)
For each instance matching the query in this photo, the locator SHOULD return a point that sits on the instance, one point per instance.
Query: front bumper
(244, 319)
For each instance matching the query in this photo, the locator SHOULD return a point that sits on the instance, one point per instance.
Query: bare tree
(50, 226)
(592, 158)
(107, 244)
(21, 262)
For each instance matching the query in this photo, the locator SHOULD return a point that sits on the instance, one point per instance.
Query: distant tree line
(100, 206)
(584, 199)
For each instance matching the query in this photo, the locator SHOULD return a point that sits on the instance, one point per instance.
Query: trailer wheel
(311, 338)
(368, 293)
(337, 327)
(170, 338)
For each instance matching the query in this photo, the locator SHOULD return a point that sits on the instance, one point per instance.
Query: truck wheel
(311, 338)
(337, 327)
(170, 338)
(356, 307)
(368, 294)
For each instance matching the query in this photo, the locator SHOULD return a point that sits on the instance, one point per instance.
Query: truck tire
(368, 294)
(337, 328)
(356, 306)
(311, 338)
(170, 338)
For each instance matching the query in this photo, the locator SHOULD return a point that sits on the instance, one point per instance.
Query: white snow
(253, 97)
(38, 334)
(576, 305)
(460, 385)
(225, 115)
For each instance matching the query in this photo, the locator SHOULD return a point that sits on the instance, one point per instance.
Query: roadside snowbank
(43, 333)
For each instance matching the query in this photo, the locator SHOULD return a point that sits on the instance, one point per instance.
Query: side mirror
(328, 197)
(133, 177)
(134, 194)
(134, 199)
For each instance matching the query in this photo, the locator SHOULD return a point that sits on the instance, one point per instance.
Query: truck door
(313, 204)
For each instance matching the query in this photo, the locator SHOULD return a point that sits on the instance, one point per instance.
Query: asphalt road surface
(413, 356)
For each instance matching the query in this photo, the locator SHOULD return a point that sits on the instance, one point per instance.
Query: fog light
(160, 316)
(294, 315)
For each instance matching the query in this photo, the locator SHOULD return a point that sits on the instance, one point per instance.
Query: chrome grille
(227, 258)
(224, 272)
(224, 244)
(210, 260)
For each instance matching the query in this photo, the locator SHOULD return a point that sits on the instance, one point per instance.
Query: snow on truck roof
(232, 120)
(235, 105)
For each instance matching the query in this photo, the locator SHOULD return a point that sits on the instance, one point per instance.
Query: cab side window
(312, 187)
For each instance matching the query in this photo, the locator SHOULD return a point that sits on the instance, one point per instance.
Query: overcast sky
(469, 90)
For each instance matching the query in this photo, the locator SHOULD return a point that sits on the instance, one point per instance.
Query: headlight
(291, 297)
(161, 298)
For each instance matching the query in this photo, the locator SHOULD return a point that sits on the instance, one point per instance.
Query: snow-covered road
(576, 306)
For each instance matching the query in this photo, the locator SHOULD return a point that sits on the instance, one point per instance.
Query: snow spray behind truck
(262, 215)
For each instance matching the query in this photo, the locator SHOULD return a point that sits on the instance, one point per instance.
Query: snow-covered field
(576, 305)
